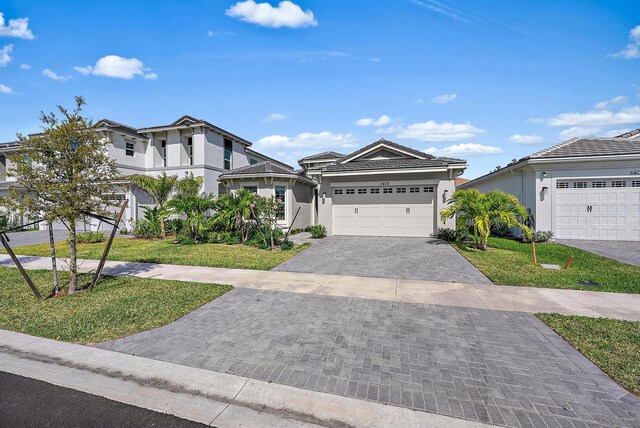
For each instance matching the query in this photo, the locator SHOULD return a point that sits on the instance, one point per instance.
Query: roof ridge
(104, 119)
(554, 147)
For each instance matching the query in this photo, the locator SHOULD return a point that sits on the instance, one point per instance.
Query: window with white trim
(375, 190)
(579, 184)
(281, 192)
(387, 190)
(598, 184)
(350, 192)
(190, 150)
(129, 148)
(635, 183)
(428, 189)
(252, 189)
(337, 191)
(562, 184)
(618, 183)
(401, 190)
(414, 190)
(362, 191)
(228, 154)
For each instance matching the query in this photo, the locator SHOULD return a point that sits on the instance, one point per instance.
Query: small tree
(483, 210)
(160, 189)
(233, 212)
(63, 172)
(266, 211)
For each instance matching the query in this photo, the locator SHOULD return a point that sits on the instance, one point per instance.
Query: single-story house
(383, 189)
(584, 188)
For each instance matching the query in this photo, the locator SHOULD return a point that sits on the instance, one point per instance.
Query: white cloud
(578, 131)
(434, 131)
(286, 14)
(5, 89)
(18, 27)
(275, 116)
(25, 66)
(83, 70)
(526, 140)
(55, 76)
(117, 67)
(444, 98)
(632, 50)
(5, 55)
(465, 149)
(381, 121)
(591, 119)
(212, 33)
(307, 141)
(613, 102)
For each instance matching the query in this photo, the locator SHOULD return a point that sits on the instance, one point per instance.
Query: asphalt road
(27, 402)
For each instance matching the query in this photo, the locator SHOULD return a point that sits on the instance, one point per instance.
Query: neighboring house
(584, 188)
(186, 146)
(460, 181)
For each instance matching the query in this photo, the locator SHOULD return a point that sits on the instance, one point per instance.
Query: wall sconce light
(324, 196)
(544, 174)
(545, 189)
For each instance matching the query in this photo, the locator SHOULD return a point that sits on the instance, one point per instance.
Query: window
(562, 185)
(428, 189)
(362, 191)
(228, 153)
(253, 161)
(635, 183)
(414, 190)
(281, 192)
(375, 190)
(163, 152)
(598, 184)
(252, 189)
(579, 184)
(387, 190)
(401, 190)
(129, 149)
(618, 183)
(190, 150)
(350, 192)
(337, 191)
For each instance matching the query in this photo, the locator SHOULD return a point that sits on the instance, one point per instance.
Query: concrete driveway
(35, 237)
(500, 367)
(385, 257)
(623, 251)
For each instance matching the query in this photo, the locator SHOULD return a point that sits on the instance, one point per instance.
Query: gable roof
(374, 165)
(114, 126)
(387, 144)
(188, 121)
(323, 155)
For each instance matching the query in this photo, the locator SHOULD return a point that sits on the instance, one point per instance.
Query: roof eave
(383, 171)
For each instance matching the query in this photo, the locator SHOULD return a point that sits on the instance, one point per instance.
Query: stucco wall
(301, 196)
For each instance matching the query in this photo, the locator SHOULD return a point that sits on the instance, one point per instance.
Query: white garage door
(384, 211)
(598, 209)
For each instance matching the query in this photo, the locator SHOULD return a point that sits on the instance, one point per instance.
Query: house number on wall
(635, 172)
(386, 183)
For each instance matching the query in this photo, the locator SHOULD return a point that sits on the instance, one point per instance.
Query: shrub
(539, 236)
(446, 234)
(147, 229)
(318, 232)
(286, 245)
(89, 237)
(174, 225)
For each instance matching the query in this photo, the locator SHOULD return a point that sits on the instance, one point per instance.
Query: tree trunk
(163, 231)
(271, 235)
(73, 261)
(54, 266)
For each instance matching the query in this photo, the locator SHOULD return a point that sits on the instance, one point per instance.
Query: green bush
(89, 237)
(446, 234)
(539, 236)
(318, 232)
(147, 229)
(286, 245)
(174, 225)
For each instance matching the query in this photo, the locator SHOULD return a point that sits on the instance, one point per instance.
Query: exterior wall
(441, 181)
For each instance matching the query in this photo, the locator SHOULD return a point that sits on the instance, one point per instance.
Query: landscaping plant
(318, 231)
(160, 189)
(482, 211)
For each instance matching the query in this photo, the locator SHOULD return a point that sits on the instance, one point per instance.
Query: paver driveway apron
(385, 257)
(623, 251)
(505, 368)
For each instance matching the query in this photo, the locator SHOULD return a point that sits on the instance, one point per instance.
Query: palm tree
(160, 189)
(195, 209)
(233, 211)
(483, 210)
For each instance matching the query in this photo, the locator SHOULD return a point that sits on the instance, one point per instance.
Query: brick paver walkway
(385, 257)
(505, 368)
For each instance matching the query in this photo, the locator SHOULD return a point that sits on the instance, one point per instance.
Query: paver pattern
(385, 257)
(623, 251)
(505, 368)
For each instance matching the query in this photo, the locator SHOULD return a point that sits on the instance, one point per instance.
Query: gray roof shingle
(582, 147)
(323, 155)
(421, 155)
(118, 127)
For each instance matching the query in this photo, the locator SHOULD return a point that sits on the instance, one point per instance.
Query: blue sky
(485, 81)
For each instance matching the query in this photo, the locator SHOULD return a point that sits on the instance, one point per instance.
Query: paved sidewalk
(217, 399)
(499, 367)
(523, 299)
(424, 259)
(623, 251)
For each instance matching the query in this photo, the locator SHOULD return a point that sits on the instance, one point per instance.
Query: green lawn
(118, 306)
(612, 345)
(509, 262)
(166, 251)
